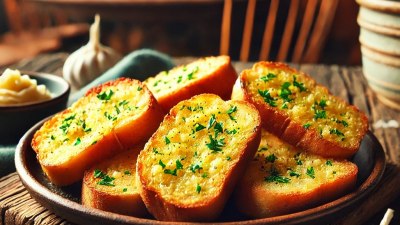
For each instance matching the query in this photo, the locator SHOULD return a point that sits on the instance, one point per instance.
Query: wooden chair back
(305, 29)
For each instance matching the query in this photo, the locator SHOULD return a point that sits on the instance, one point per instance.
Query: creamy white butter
(18, 89)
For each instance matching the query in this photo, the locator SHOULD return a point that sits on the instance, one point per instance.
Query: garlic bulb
(90, 61)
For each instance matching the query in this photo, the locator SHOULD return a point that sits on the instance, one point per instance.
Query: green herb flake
(297, 159)
(195, 167)
(178, 164)
(218, 129)
(298, 84)
(337, 132)
(125, 189)
(284, 105)
(199, 127)
(127, 172)
(271, 158)
(215, 145)
(204, 175)
(328, 163)
(198, 189)
(268, 77)
(122, 103)
(171, 172)
(139, 88)
(105, 96)
(211, 121)
(322, 104)
(167, 141)
(179, 79)
(284, 92)
(107, 181)
(320, 114)
(230, 111)
(276, 177)
(234, 131)
(310, 172)
(267, 97)
(98, 173)
(228, 158)
(307, 125)
(77, 142)
(293, 173)
(52, 137)
(161, 164)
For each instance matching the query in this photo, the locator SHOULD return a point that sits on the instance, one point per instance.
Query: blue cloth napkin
(139, 64)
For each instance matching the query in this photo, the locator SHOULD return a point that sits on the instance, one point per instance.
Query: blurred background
(176, 27)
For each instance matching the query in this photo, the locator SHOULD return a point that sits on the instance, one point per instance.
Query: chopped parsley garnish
(284, 105)
(319, 114)
(190, 75)
(139, 88)
(94, 142)
(127, 172)
(198, 189)
(179, 79)
(211, 122)
(285, 92)
(199, 127)
(174, 172)
(105, 96)
(230, 111)
(52, 137)
(125, 189)
(297, 159)
(161, 164)
(293, 173)
(66, 123)
(98, 174)
(218, 129)
(117, 109)
(298, 84)
(215, 145)
(268, 77)
(328, 163)
(228, 158)
(155, 151)
(336, 131)
(267, 97)
(195, 167)
(204, 175)
(276, 177)
(271, 158)
(77, 142)
(122, 103)
(105, 179)
(322, 104)
(310, 172)
(110, 117)
(307, 125)
(167, 141)
(234, 131)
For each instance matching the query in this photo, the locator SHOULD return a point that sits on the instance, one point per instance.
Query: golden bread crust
(301, 112)
(191, 164)
(282, 179)
(118, 192)
(214, 75)
(110, 118)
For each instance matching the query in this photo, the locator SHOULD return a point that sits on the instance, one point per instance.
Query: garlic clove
(89, 61)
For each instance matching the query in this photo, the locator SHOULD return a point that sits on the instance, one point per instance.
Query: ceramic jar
(379, 22)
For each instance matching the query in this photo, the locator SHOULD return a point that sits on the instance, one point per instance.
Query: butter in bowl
(25, 99)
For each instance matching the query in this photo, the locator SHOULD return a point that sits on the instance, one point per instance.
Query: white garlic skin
(89, 61)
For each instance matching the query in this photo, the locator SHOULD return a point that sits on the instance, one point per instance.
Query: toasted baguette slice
(206, 75)
(301, 112)
(190, 165)
(282, 179)
(111, 185)
(110, 118)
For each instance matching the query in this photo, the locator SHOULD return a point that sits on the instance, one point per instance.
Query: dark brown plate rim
(75, 212)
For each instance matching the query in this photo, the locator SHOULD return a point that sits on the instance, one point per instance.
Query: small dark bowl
(15, 120)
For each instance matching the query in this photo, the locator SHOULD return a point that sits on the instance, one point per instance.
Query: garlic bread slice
(214, 74)
(301, 112)
(191, 164)
(110, 118)
(283, 179)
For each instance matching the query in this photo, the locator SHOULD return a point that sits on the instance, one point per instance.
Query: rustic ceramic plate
(65, 201)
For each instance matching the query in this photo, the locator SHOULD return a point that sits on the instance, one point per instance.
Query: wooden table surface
(17, 206)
